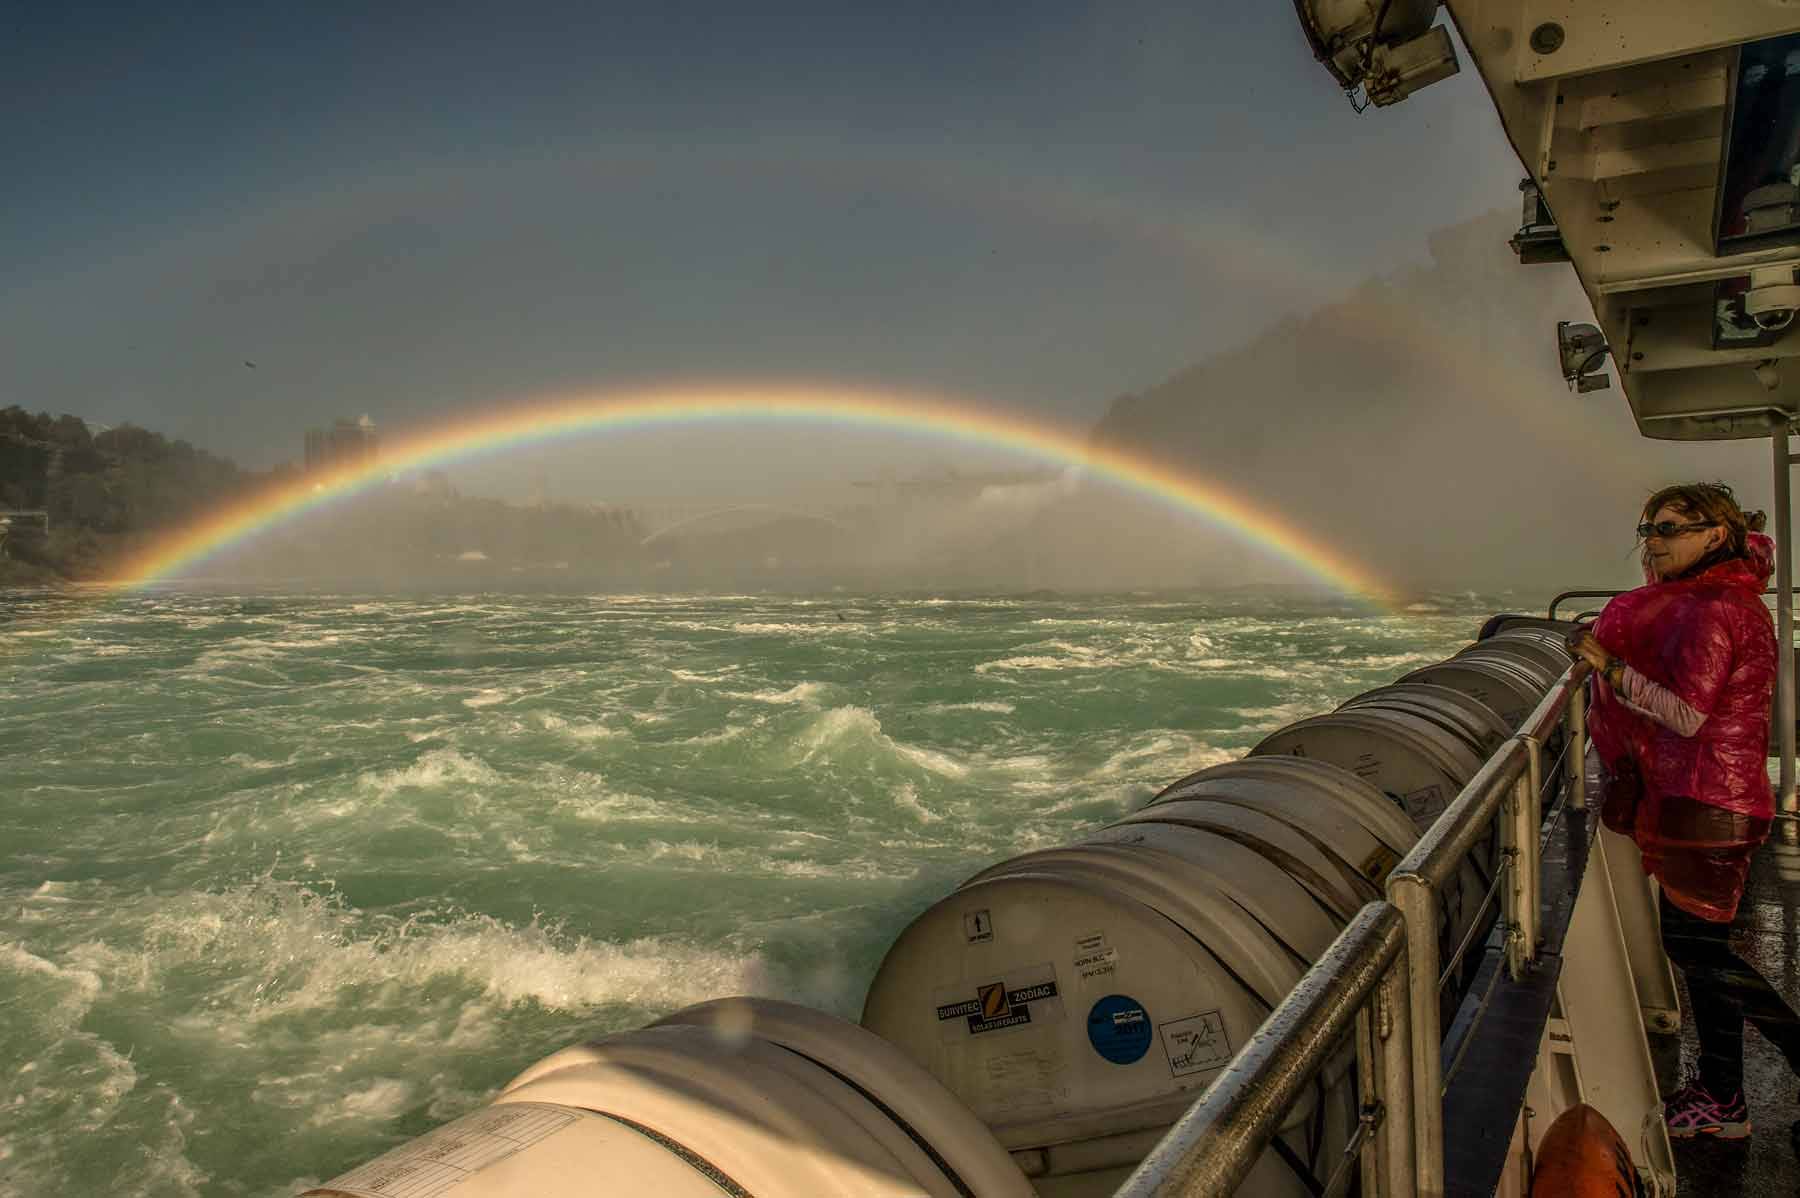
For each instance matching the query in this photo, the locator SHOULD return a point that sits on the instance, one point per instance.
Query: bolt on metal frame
(1381, 977)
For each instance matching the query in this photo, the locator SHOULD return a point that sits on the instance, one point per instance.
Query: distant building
(345, 443)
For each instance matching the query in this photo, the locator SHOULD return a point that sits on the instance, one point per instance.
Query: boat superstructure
(1387, 948)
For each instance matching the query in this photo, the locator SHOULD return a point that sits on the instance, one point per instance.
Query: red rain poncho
(1707, 800)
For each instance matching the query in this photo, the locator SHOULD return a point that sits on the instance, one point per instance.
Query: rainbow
(545, 419)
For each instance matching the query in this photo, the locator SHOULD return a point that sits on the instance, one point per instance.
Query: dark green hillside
(105, 491)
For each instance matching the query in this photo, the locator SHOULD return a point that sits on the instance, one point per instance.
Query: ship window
(1759, 185)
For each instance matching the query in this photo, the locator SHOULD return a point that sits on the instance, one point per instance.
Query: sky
(406, 210)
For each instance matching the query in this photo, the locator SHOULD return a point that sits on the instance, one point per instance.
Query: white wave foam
(728, 732)
(704, 675)
(842, 725)
(1036, 661)
(805, 692)
(1161, 757)
(1023, 762)
(384, 1098)
(487, 697)
(1249, 669)
(992, 707)
(1388, 661)
(906, 797)
(245, 761)
(277, 947)
(436, 768)
(608, 807)
(575, 729)
(59, 996)
(781, 629)
(1277, 715)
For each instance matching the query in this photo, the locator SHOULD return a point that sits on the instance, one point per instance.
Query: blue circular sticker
(1119, 1029)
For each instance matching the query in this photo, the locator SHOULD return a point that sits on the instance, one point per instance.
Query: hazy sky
(400, 209)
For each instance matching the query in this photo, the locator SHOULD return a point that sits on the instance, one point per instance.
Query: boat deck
(1767, 933)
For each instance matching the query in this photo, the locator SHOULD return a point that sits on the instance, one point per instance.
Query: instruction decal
(1196, 1044)
(1002, 1002)
(1119, 1029)
(1094, 958)
(1427, 801)
(978, 927)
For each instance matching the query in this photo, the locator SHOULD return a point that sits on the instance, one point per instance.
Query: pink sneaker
(1692, 1111)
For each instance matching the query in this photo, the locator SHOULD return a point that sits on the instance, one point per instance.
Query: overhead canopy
(1663, 139)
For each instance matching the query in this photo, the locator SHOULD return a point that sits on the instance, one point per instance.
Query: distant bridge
(665, 520)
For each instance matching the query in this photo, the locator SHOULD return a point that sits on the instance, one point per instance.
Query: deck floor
(1767, 933)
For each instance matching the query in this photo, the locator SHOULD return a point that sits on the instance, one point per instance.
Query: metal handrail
(1557, 602)
(1382, 972)
(1214, 1145)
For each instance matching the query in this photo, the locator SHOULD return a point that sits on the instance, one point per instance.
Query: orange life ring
(1582, 1156)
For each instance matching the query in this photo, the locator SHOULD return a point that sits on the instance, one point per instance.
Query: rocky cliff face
(1420, 425)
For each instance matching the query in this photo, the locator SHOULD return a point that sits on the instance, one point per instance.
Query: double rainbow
(550, 418)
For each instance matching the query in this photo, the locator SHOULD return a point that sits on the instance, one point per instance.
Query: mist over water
(292, 877)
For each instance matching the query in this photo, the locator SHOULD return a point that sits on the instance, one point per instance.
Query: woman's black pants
(1726, 992)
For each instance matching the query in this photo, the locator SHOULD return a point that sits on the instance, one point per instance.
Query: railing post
(1520, 907)
(1418, 906)
(1215, 1144)
(1391, 1170)
(1575, 758)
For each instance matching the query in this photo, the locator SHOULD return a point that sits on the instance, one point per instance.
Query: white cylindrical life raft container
(1079, 998)
(739, 1096)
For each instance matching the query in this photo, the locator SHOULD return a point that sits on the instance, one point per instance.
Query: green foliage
(102, 490)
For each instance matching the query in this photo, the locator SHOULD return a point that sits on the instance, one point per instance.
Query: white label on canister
(1017, 1082)
(1196, 1044)
(1098, 964)
(442, 1159)
(1091, 942)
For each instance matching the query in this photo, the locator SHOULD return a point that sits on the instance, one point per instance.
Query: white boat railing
(1380, 981)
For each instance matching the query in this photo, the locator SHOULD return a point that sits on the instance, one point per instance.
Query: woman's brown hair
(1714, 503)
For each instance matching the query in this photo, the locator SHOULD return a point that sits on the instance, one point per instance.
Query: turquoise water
(288, 879)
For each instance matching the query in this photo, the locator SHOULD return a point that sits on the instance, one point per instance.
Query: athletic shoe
(1692, 1111)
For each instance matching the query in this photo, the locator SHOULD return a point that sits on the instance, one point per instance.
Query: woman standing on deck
(1685, 673)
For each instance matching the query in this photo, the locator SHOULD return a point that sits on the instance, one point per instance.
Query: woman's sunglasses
(1668, 528)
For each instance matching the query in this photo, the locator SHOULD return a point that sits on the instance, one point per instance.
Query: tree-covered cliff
(105, 491)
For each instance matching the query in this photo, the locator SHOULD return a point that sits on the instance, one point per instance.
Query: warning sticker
(1013, 999)
(1119, 1029)
(443, 1159)
(1196, 1044)
(978, 927)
